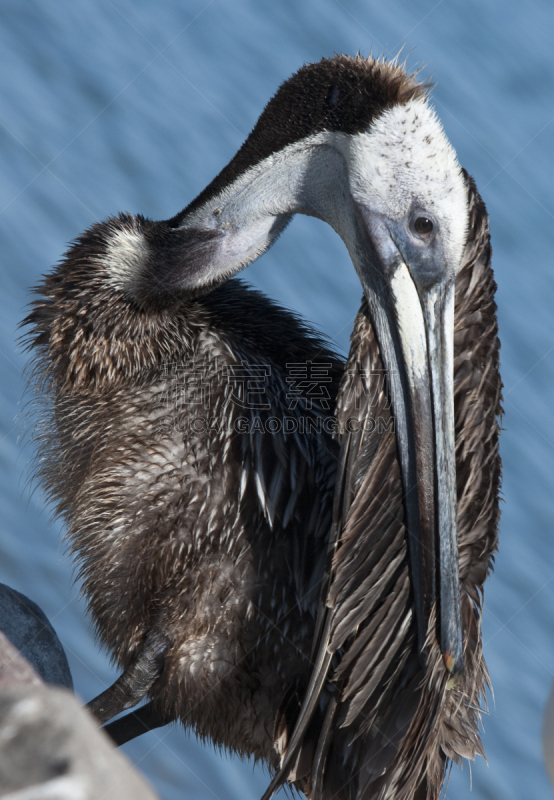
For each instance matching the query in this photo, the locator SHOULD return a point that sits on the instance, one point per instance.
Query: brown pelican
(311, 602)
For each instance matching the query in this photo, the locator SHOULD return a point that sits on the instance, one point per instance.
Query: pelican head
(356, 144)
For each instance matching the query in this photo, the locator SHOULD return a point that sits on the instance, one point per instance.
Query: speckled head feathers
(340, 94)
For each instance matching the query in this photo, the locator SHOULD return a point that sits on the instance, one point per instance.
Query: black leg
(136, 723)
(135, 682)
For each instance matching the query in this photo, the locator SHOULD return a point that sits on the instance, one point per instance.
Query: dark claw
(130, 688)
(135, 724)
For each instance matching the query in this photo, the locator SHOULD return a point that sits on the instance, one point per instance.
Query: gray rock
(50, 747)
(14, 669)
(28, 629)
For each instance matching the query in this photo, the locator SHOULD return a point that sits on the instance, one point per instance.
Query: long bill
(415, 329)
(438, 312)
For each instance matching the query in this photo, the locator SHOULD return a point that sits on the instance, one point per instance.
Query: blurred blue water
(135, 106)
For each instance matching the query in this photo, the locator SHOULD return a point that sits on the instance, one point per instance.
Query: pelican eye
(423, 226)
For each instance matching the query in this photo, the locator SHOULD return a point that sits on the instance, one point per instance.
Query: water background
(132, 105)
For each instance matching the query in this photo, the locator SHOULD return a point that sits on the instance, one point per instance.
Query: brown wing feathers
(390, 727)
